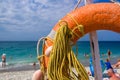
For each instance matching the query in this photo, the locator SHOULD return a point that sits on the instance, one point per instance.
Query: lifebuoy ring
(99, 16)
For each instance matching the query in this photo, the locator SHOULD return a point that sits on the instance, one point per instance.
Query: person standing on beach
(108, 64)
(109, 54)
(3, 60)
(34, 65)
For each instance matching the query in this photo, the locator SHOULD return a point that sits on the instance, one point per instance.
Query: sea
(25, 52)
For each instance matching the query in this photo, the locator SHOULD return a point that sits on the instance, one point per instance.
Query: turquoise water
(23, 52)
(19, 52)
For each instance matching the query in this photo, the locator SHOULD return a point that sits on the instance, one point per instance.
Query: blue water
(19, 52)
(24, 52)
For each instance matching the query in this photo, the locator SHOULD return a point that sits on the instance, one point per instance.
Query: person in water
(109, 54)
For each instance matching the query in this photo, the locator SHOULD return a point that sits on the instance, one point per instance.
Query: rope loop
(79, 27)
(62, 22)
(73, 18)
(39, 57)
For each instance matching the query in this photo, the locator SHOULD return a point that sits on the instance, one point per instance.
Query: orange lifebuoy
(100, 16)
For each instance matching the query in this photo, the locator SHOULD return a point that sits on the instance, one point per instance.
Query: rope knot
(81, 29)
(63, 23)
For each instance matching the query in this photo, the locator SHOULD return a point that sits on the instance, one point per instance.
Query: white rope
(87, 2)
(77, 4)
(38, 46)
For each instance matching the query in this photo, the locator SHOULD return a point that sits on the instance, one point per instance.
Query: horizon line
(37, 40)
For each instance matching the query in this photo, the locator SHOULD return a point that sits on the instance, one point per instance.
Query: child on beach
(34, 65)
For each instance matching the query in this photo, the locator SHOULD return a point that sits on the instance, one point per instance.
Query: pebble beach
(17, 75)
(27, 73)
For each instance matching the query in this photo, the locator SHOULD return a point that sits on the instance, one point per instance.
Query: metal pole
(95, 51)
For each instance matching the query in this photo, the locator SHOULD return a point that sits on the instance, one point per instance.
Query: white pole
(95, 52)
(95, 55)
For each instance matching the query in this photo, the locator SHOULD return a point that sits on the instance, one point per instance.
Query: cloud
(28, 13)
(29, 18)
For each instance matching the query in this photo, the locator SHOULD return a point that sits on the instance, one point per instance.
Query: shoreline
(29, 66)
(25, 72)
(25, 67)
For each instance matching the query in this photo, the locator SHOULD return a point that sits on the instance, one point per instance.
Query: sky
(29, 20)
